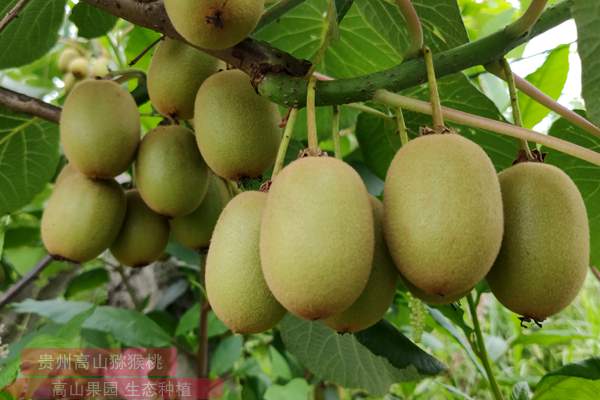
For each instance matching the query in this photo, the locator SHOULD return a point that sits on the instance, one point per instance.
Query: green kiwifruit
(66, 171)
(100, 128)
(143, 236)
(433, 299)
(235, 285)
(317, 237)
(65, 58)
(79, 67)
(69, 80)
(237, 130)
(100, 68)
(175, 75)
(195, 230)
(546, 249)
(169, 171)
(443, 213)
(214, 24)
(378, 295)
(83, 217)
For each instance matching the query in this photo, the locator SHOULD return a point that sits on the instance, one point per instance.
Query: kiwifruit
(214, 24)
(69, 81)
(79, 67)
(65, 58)
(169, 171)
(195, 230)
(443, 214)
(317, 237)
(432, 299)
(100, 68)
(546, 249)
(100, 128)
(235, 285)
(66, 171)
(175, 74)
(143, 236)
(83, 217)
(237, 130)
(378, 295)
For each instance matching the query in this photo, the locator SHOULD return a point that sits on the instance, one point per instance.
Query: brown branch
(29, 105)
(26, 280)
(12, 14)
(253, 57)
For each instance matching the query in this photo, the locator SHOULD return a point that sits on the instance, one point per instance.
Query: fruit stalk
(335, 132)
(285, 141)
(203, 341)
(415, 29)
(514, 102)
(480, 350)
(434, 94)
(311, 116)
(475, 121)
(402, 130)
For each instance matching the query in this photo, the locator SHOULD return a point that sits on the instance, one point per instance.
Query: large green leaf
(343, 359)
(585, 175)
(379, 141)
(373, 34)
(91, 21)
(28, 158)
(127, 326)
(579, 381)
(32, 34)
(550, 78)
(586, 14)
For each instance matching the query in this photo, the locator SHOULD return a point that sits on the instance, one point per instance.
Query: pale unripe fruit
(82, 217)
(143, 236)
(66, 57)
(443, 214)
(195, 230)
(378, 295)
(169, 171)
(79, 67)
(214, 24)
(100, 128)
(546, 249)
(100, 68)
(66, 171)
(175, 74)
(317, 237)
(235, 285)
(237, 130)
(69, 81)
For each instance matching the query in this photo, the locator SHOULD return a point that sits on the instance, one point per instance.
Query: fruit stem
(311, 116)
(203, 341)
(481, 350)
(475, 121)
(434, 95)
(335, 132)
(528, 19)
(536, 94)
(415, 29)
(285, 141)
(402, 130)
(21, 284)
(514, 102)
(126, 75)
(127, 285)
(369, 110)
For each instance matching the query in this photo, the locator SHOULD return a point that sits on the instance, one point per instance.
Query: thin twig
(29, 105)
(335, 132)
(203, 341)
(128, 287)
(145, 51)
(475, 121)
(401, 124)
(12, 14)
(514, 102)
(369, 110)
(595, 272)
(276, 11)
(481, 351)
(285, 141)
(26, 280)
(413, 24)
(528, 19)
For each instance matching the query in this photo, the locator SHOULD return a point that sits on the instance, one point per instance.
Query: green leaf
(521, 391)
(585, 175)
(127, 326)
(91, 21)
(578, 381)
(87, 280)
(586, 14)
(227, 353)
(548, 338)
(32, 34)
(344, 360)
(189, 320)
(550, 78)
(28, 158)
(296, 389)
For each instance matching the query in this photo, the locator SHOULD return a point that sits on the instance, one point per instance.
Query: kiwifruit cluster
(77, 65)
(173, 188)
